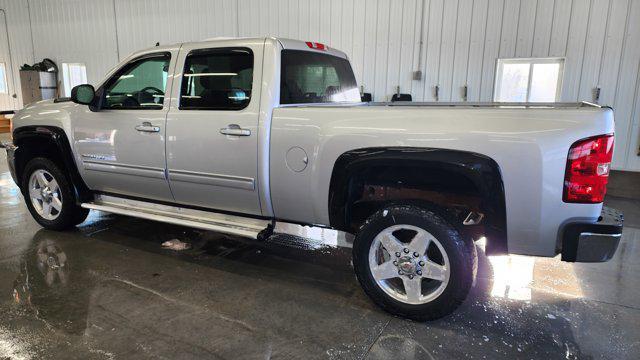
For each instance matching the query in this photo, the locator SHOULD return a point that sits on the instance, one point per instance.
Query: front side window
(140, 84)
(217, 79)
(309, 77)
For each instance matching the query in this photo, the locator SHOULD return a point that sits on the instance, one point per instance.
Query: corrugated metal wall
(17, 50)
(461, 41)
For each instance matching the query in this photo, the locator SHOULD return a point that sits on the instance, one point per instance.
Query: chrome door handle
(235, 130)
(147, 127)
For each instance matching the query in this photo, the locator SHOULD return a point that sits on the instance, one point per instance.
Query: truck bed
(557, 105)
(463, 105)
(529, 142)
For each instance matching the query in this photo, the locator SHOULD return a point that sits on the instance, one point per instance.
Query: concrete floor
(109, 291)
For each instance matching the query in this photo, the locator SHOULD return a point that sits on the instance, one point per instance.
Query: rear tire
(50, 197)
(412, 263)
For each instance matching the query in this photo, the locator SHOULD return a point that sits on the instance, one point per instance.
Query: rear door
(212, 128)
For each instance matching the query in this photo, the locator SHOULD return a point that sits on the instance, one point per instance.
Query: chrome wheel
(44, 193)
(409, 264)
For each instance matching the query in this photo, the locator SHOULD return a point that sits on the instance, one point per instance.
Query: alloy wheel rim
(414, 271)
(44, 192)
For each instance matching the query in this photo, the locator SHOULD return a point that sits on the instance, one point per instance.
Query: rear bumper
(593, 241)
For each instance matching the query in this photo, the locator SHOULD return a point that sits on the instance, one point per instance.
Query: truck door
(121, 146)
(212, 128)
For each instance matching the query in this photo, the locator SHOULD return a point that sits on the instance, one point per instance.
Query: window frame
(67, 82)
(210, 50)
(531, 61)
(116, 75)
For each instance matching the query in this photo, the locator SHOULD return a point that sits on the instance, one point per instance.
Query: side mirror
(83, 94)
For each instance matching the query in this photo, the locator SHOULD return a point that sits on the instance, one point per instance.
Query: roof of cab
(285, 43)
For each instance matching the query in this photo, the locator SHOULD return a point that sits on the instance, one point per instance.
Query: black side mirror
(83, 94)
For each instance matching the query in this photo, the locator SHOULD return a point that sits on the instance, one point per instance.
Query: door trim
(237, 182)
(125, 169)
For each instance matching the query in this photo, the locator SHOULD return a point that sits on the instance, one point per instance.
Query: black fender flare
(481, 170)
(56, 136)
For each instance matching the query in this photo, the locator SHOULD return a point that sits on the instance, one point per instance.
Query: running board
(226, 224)
(222, 223)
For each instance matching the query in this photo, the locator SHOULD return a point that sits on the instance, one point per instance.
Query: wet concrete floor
(109, 291)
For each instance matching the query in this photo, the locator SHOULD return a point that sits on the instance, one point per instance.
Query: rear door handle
(235, 130)
(147, 127)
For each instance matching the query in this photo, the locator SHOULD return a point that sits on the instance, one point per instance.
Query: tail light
(587, 173)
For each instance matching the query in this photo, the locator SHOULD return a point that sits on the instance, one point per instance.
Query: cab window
(310, 77)
(217, 79)
(141, 84)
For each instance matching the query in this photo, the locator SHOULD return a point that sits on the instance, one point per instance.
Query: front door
(212, 130)
(122, 146)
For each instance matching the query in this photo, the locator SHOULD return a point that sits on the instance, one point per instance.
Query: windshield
(310, 77)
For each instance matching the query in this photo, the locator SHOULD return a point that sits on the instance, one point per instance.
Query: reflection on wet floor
(512, 277)
(108, 290)
(238, 299)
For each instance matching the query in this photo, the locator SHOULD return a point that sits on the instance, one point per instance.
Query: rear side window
(310, 77)
(217, 79)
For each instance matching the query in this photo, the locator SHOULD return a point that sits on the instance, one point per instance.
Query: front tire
(412, 263)
(50, 197)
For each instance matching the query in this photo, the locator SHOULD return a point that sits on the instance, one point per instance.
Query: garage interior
(109, 290)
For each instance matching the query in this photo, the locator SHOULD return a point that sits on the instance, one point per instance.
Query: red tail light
(316, 46)
(587, 173)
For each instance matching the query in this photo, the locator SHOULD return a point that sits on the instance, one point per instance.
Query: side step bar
(226, 224)
(222, 223)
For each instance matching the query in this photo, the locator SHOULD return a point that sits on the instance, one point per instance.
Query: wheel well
(50, 143)
(452, 183)
(377, 186)
(34, 147)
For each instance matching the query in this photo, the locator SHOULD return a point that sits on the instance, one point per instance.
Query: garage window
(73, 74)
(529, 80)
(3, 79)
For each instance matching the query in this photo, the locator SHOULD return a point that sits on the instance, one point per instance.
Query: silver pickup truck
(259, 136)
